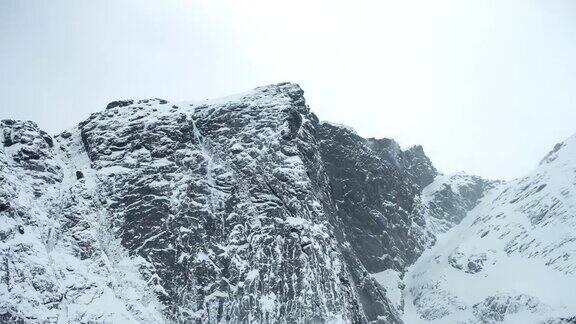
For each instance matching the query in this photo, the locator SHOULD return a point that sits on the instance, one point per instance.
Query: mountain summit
(247, 209)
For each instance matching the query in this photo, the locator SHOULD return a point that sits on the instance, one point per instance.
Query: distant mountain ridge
(512, 258)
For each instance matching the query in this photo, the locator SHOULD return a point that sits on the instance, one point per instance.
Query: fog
(487, 87)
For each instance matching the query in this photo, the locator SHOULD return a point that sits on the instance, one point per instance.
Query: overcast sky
(487, 87)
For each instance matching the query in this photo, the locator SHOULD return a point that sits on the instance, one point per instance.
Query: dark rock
(26, 154)
(119, 103)
(47, 138)
(7, 134)
(215, 211)
(374, 185)
(4, 206)
(294, 123)
(248, 210)
(551, 156)
(495, 309)
(65, 134)
(7, 318)
(473, 263)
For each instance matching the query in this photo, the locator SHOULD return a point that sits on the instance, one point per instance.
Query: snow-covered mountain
(247, 209)
(241, 209)
(511, 260)
(448, 199)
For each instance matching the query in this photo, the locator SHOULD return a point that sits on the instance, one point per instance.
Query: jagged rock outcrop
(228, 204)
(58, 260)
(374, 185)
(447, 200)
(236, 210)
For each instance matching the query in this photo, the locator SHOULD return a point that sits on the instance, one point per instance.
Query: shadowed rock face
(374, 185)
(229, 205)
(244, 209)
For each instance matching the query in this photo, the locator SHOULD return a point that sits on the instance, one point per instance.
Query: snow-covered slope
(58, 262)
(511, 260)
(438, 207)
(447, 200)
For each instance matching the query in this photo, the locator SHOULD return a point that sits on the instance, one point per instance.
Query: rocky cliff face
(447, 200)
(374, 185)
(59, 261)
(243, 209)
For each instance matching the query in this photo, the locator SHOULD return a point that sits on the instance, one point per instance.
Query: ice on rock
(215, 211)
(248, 209)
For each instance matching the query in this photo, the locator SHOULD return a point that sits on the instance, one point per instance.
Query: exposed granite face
(228, 203)
(243, 209)
(374, 185)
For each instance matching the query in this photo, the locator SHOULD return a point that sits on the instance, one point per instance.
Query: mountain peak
(246, 208)
(506, 255)
(565, 150)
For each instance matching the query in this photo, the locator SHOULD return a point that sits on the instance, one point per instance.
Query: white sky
(487, 87)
